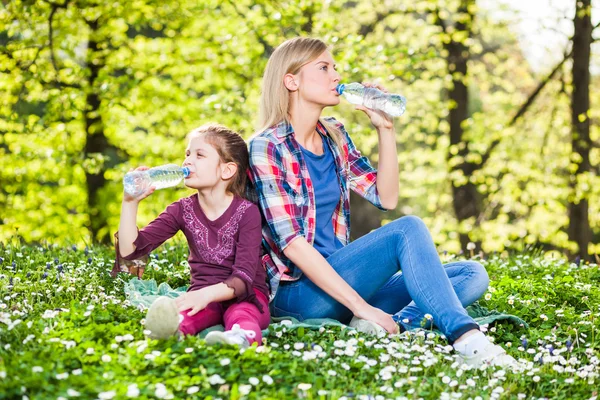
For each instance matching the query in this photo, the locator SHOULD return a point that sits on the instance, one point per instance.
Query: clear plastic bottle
(136, 182)
(355, 93)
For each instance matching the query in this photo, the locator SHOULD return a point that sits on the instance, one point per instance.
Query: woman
(303, 167)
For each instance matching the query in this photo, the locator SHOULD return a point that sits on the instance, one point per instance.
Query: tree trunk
(466, 200)
(579, 230)
(96, 141)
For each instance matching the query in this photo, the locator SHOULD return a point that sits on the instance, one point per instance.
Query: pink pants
(245, 314)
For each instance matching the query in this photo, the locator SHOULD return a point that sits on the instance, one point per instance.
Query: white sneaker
(492, 355)
(163, 318)
(368, 327)
(236, 336)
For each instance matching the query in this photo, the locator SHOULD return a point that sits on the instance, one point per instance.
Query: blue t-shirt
(326, 185)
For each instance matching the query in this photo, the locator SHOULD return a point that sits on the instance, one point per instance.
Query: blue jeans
(395, 268)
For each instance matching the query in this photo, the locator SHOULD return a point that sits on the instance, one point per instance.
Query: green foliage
(159, 69)
(67, 328)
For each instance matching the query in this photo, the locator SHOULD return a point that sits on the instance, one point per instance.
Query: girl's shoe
(236, 336)
(163, 318)
(368, 327)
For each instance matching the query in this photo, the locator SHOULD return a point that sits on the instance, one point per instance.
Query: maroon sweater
(224, 250)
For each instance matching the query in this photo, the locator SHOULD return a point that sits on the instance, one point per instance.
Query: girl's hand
(130, 199)
(376, 315)
(379, 119)
(196, 301)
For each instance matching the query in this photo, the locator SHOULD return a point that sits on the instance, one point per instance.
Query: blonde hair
(288, 58)
(231, 147)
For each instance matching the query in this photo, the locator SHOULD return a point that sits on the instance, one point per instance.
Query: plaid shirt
(286, 194)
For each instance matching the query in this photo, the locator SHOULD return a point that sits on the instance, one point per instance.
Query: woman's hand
(195, 301)
(379, 119)
(376, 315)
(131, 199)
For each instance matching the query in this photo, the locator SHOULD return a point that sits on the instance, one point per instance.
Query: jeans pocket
(278, 312)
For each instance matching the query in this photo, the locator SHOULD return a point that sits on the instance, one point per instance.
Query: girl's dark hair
(231, 147)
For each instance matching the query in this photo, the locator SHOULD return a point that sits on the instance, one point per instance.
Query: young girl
(223, 231)
(304, 167)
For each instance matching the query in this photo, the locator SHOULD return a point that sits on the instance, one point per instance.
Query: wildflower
(245, 389)
(471, 246)
(304, 386)
(536, 378)
(133, 390)
(225, 361)
(253, 381)
(428, 317)
(216, 380)
(488, 296)
(193, 389)
(544, 317)
(62, 376)
(107, 395)
(106, 358)
(524, 343)
(160, 391)
(37, 369)
(73, 393)
(267, 379)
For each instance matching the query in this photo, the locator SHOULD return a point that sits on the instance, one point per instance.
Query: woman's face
(317, 81)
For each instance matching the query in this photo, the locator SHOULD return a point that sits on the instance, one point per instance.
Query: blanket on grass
(143, 293)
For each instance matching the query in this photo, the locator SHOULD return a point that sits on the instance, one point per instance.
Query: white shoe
(162, 319)
(236, 336)
(492, 355)
(368, 327)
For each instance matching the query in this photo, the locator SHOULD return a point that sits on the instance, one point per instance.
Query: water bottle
(373, 98)
(136, 182)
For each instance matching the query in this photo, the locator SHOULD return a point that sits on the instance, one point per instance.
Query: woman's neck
(214, 202)
(304, 118)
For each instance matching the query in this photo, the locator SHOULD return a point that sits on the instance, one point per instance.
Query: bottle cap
(340, 88)
(186, 172)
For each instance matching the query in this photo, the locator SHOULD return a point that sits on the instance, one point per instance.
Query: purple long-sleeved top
(224, 250)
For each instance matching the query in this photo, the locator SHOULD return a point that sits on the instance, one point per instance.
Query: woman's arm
(318, 270)
(387, 170)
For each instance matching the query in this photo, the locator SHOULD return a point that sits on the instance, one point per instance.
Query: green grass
(67, 330)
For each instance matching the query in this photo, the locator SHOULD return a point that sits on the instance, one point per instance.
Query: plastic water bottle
(136, 182)
(373, 98)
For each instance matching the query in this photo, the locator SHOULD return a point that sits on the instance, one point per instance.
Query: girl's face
(206, 166)
(317, 80)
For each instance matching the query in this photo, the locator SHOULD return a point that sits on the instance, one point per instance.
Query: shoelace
(237, 330)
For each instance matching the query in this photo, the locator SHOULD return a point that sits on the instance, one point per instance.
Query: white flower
(225, 361)
(304, 386)
(470, 246)
(245, 389)
(62, 376)
(488, 296)
(544, 317)
(90, 350)
(267, 379)
(37, 369)
(253, 381)
(216, 380)
(189, 350)
(446, 380)
(536, 378)
(428, 317)
(106, 358)
(160, 391)
(107, 395)
(298, 346)
(193, 389)
(332, 372)
(133, 390)
(3, 374)
(73, 393)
